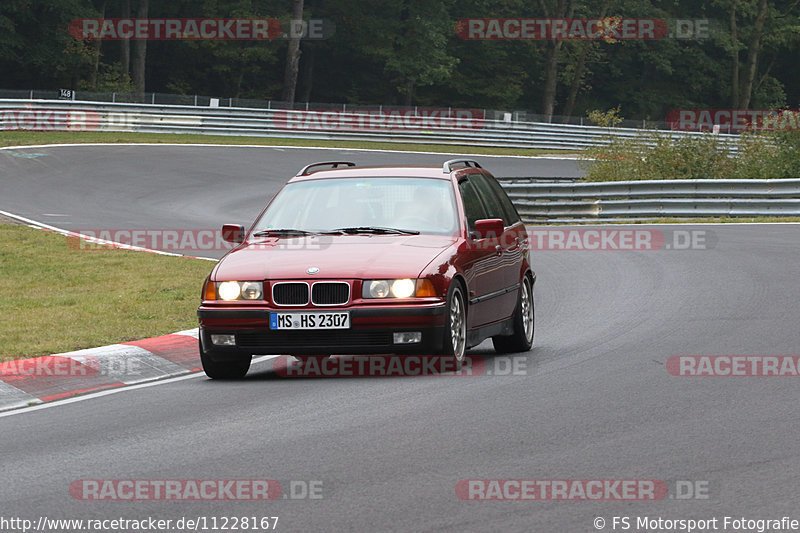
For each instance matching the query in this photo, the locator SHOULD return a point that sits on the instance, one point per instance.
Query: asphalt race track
(593, 400)
(184, 187)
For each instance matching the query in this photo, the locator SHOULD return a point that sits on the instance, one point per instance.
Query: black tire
(454, 343)
(522, 338)
(233, 369)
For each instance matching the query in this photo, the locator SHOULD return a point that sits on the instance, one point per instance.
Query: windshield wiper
(283, 232)
(376, 229)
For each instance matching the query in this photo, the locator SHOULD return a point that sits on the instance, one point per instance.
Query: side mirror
(233, 233)
(489, 228)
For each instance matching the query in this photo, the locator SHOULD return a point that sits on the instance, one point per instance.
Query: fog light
(408, 337)
(223, 340)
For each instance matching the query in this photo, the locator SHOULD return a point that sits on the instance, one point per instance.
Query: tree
(418, 53)
(293, 52)
(553, 9)
(140, 52)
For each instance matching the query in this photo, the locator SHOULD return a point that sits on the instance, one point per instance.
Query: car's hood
(345, 256)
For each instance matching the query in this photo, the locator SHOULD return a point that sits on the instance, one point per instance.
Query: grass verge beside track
(57, 298)
(22, 138)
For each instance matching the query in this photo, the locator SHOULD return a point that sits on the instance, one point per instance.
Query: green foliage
(396, 52)
(654, 155)
(606, 119)
(110, 79)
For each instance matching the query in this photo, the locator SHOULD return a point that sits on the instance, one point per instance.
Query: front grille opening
(322, 339)
(330, 293)
(290, 293)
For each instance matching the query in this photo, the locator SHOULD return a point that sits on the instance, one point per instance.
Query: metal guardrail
(460, 127)
(536, 201)
(637, 200)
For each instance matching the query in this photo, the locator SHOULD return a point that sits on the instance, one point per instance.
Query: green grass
(22, 138)
(57, 298)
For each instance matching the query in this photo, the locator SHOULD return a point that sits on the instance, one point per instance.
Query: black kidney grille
(330, 293)
(290, 293)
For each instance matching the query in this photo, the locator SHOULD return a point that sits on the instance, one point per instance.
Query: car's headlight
(229, 290)
(397, 288)
(235, 290)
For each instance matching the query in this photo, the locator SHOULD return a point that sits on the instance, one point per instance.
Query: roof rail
(335, 164)
(448, 166)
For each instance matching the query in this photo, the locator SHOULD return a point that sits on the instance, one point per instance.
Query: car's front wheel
(233, 369)
(455, 331)
(522, 338)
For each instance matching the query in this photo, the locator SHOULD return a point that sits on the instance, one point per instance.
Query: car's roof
(376, 172)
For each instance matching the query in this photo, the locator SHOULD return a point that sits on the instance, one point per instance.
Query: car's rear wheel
(233, 369)
(455, 331)
(522, 338)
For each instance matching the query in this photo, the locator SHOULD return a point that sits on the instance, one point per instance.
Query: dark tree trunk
(735, 59)
(752, 54)
(293, 56)
(551, 66)
(577, 78)
(126, 43)
(140, 53)
(550, 80)
(307, 75)
(98, 48)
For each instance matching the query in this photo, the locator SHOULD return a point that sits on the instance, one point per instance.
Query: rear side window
(512, 217)
(490, 200)
(473, 208)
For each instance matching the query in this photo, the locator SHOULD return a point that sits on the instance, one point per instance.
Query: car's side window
(508, 207)
(473, 207)
(490, 200)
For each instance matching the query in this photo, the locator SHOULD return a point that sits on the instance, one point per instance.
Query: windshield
(414, 205)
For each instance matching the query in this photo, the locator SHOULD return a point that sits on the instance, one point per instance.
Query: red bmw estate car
(381, 260)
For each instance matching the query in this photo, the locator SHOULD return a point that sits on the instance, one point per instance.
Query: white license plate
(326, 320)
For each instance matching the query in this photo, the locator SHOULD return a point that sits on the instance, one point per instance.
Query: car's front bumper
(371, 332)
